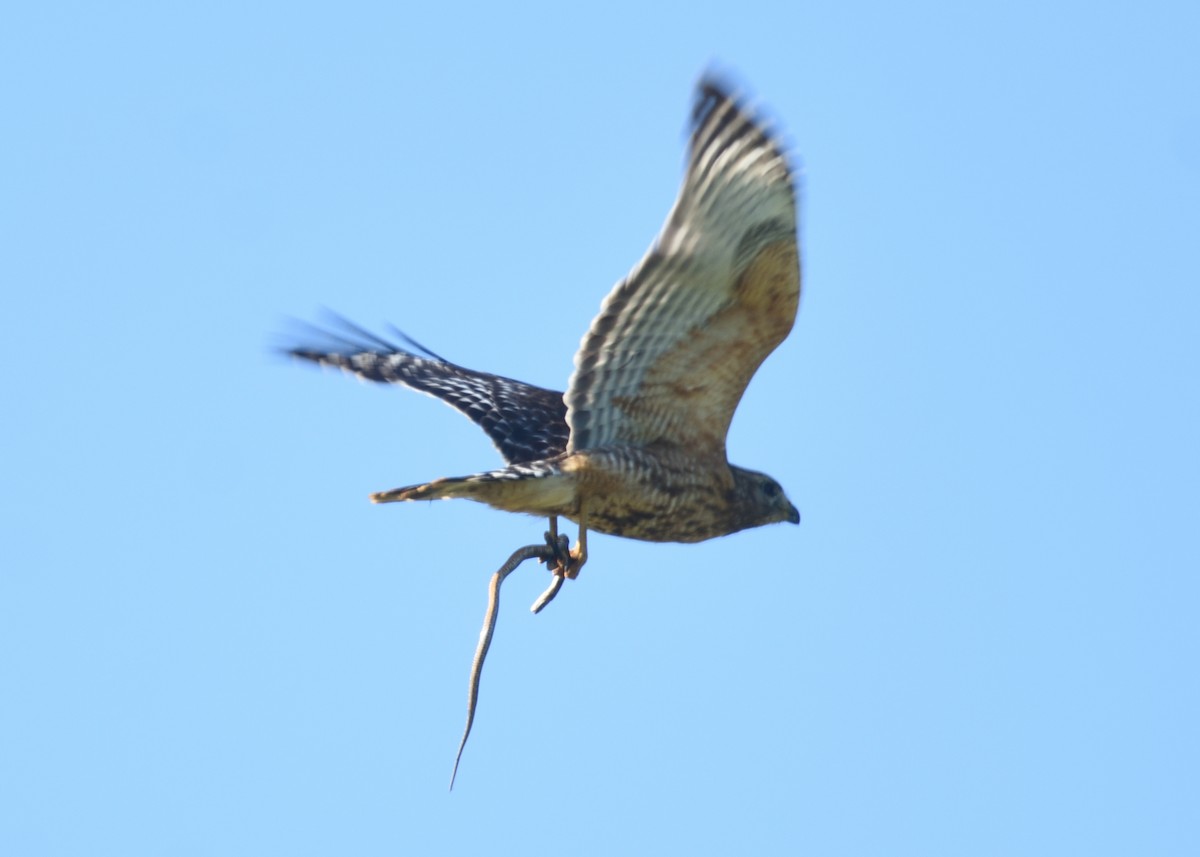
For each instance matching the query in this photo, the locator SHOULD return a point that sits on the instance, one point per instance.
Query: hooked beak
(793, 514)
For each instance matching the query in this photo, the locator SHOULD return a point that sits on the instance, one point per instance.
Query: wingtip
(714, 88)
(720, 85)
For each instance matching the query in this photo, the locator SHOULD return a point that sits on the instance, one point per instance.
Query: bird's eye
(770, 489)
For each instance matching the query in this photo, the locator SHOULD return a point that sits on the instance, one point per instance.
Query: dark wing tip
(715, 87)
(338, 335)
(723, 108)
(408, 340)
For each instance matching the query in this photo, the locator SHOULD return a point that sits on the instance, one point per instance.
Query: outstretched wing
(526, 423)
(676, 343)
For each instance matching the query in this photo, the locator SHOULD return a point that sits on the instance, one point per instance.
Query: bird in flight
(635, 447)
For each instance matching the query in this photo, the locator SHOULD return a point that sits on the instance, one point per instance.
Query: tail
(439, 489)
(538, 488)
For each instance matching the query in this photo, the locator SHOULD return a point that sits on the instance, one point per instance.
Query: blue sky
(981, 640)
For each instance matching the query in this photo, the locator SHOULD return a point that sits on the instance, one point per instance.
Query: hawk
(635, 447)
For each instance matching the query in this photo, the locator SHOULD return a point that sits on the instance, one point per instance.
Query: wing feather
(526, 423)
(675, 344)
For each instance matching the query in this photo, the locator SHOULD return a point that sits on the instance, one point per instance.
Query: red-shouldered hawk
(636, 445)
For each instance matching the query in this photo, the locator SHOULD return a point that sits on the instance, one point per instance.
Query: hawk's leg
(567, 562)
(560, 546)
(577, 556)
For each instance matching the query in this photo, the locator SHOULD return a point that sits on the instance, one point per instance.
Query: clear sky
(982, 639)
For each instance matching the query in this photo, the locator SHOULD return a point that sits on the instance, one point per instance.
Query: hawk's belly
(651, 495)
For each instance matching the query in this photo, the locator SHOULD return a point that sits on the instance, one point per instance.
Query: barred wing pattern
(526, 423)
(675, 344)
(636, 446)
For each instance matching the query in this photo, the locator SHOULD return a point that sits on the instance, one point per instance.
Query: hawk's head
(759, 499)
